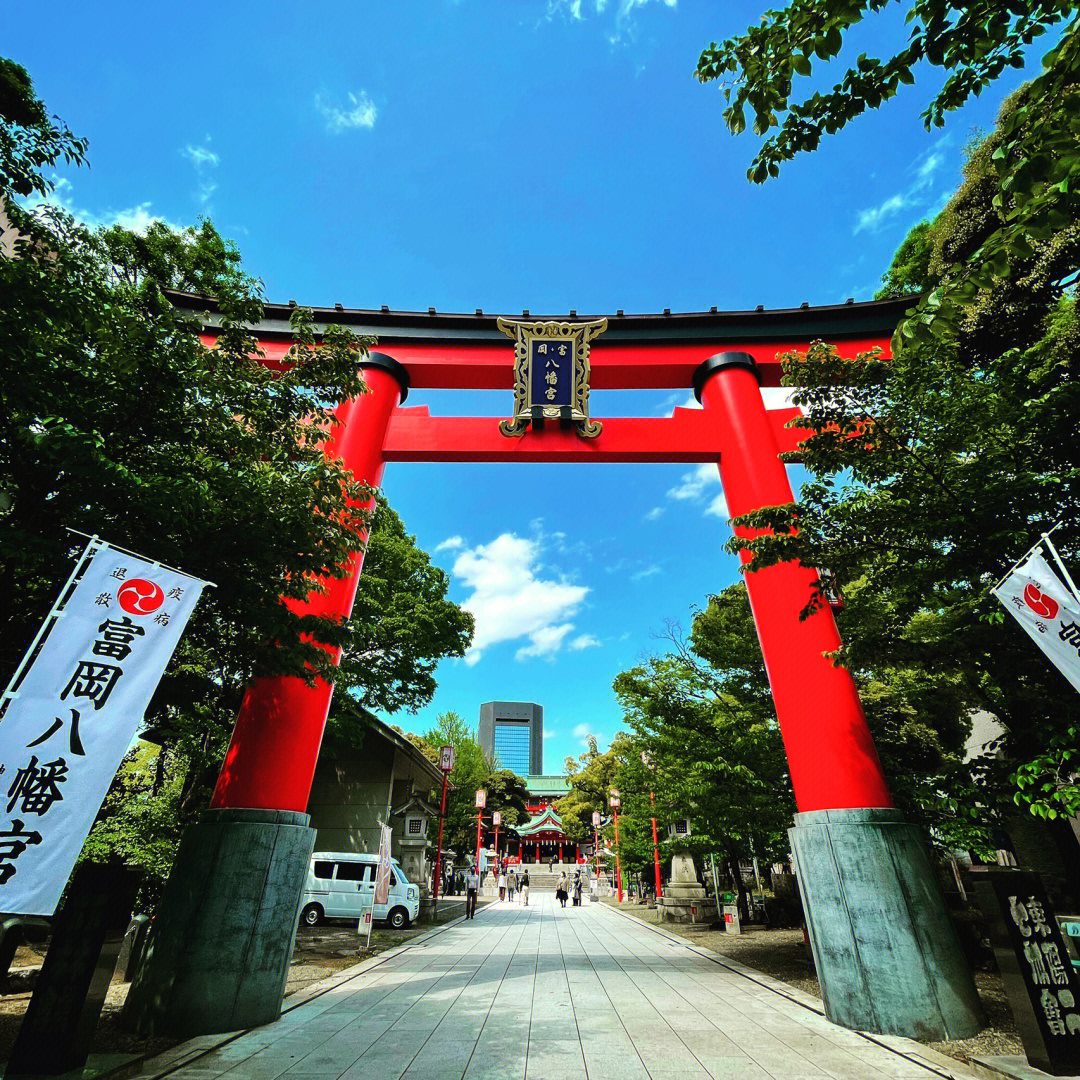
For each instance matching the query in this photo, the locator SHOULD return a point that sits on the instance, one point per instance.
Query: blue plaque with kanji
(551, 375)
(551, 372)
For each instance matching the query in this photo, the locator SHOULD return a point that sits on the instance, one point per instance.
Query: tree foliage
(116, 420)
(1035, 172)
(30, 139)
(473, 770)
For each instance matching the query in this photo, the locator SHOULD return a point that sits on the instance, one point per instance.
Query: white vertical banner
(382, 871)
(1050, 615)
(73, 708)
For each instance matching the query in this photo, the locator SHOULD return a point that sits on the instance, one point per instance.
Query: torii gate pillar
(218, 954)
(886, 954)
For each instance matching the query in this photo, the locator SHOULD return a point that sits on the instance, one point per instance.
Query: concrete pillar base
(886, 953)
(218, 954)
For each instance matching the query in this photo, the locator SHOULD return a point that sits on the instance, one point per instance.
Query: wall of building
(527, 711)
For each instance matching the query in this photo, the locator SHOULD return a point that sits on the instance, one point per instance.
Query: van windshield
(399, 872)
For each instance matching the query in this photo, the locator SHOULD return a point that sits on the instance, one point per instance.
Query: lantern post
(648, 763)
(446, 764)
(596, 842)
(496, 820)
(481, 802)
(615, 803)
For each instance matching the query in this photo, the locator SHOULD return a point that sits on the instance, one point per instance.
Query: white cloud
(550, 733)
(582, 731)
(450, 544)
(509, 601)
(718, 507)
(693, 484)
(544, 642)
(654, 513)
(584, 641)
(915, 197)
(201, 156)
(930, 165)
(136, 218)
(873, 218)
(647, 572)
(360, 113)
(621, 24)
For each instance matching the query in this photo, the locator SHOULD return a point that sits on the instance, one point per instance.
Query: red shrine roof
(547, 820)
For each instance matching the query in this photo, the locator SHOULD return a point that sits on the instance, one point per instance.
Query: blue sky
(506, 155)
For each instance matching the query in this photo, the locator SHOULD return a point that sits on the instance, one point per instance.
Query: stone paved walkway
(542, 993)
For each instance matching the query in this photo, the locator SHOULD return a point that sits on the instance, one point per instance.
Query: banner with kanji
(72, 710)
(382, 871)
(1050, 615)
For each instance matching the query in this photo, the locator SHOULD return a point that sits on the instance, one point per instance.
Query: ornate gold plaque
(551, 374)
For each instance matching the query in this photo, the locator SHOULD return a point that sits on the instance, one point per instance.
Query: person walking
(577, 889)
(502, 884)
(561, 889)
(472, 887)
(511, 884)
(525, 889)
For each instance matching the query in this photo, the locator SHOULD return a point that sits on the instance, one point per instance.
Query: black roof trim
(868, 318)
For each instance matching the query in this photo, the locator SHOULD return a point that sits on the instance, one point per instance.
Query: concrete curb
(936, 1063)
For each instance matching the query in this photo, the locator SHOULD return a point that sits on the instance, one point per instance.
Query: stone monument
(684, 899)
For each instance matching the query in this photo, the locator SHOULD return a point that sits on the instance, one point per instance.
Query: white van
(340, 884)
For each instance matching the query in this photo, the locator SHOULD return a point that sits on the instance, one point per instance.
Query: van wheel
(311, 915)
(398, 919)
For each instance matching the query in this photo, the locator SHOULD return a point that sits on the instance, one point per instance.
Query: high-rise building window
(512, 746)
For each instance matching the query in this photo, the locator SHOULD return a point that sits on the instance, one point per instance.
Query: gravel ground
(320, 951)
(783, 955)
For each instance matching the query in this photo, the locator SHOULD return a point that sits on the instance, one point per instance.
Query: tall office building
(514, 732)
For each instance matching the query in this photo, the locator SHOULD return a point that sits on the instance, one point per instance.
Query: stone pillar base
(685, 909)
(887, 955)
(218, 954)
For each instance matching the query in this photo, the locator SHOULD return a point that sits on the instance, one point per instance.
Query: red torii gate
(836, 775)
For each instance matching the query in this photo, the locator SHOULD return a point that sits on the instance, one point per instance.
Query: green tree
(30, 139)
(116, 419)
(1036, 163)
(704, 716)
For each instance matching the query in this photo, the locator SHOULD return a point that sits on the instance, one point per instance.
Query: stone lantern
(684, 899)
(415, 816)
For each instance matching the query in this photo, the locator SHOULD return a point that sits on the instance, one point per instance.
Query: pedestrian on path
(561, 889)
(502, 884)
(472, 887)
(525, 889)
(577, 889)
(511, 884)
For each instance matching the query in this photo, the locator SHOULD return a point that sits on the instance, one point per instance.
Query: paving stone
(543, 993)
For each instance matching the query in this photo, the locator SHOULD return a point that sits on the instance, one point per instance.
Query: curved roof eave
(850, 319)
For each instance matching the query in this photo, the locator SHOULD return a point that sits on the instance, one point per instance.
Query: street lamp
(615, 802)
(596, 842)
(648, 763)
(446, 763)
(481, 802)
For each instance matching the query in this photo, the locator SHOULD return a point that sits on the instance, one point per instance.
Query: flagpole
(1038, 543)
(1061, 566)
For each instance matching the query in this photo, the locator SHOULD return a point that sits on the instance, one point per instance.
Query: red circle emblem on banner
(140, 597)
(1040, 603)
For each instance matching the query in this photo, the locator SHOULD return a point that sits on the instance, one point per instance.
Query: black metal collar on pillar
(388, 363)
(708, 368)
